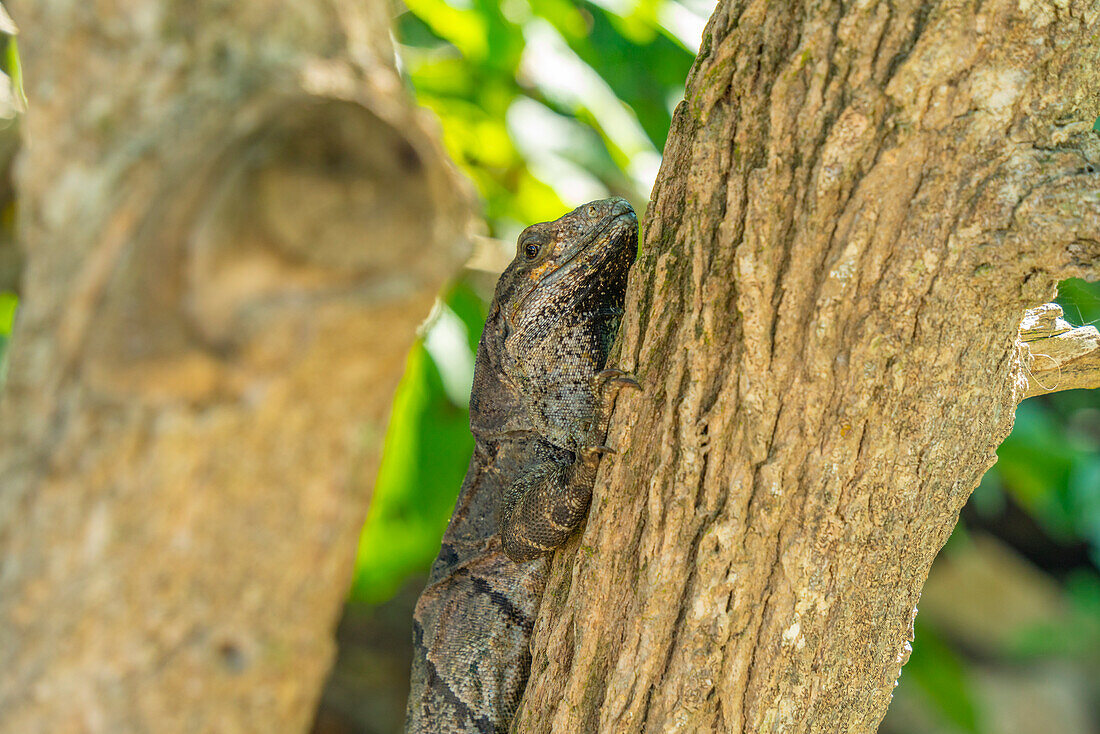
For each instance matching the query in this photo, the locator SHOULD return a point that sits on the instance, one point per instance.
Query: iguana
(539, 409)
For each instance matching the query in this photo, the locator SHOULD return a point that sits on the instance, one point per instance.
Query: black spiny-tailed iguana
(539, 409)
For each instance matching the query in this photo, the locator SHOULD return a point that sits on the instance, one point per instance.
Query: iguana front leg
(542, 508)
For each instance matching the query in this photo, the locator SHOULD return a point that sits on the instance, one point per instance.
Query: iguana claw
(613, 378)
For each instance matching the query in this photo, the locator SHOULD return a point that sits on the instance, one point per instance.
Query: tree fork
(858, 201)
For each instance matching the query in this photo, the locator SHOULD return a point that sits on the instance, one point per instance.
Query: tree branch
(1055, 355)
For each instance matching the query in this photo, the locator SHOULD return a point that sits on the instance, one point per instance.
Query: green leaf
(14, 69)
(425, 454)
(1080, 301)
(8, 304)
(466, 29)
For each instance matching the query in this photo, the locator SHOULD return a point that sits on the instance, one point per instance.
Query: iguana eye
(591, 210)
(531, 251)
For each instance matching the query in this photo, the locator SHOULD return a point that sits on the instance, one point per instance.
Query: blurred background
(546, 104)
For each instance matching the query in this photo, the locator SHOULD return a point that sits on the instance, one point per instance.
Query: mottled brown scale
(539, 409)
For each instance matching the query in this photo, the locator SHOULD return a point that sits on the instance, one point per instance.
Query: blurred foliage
(8, 304)
(427, 447)
(941, 674)
(1080, 301)
(543, 102)
(1050, 464)
(12, 102)
(1079, 637)
(9, 64)
(544, 106)
(1049, 470)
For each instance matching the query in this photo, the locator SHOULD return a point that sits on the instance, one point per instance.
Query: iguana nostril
(621, 206)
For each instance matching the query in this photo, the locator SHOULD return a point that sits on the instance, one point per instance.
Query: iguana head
(555, 313)
(578, 261)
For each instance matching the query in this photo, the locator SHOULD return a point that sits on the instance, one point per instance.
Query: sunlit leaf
(565, 78)
(650, 89)
(557, 147)
(425, 456)
(14, 69)
(465, 28)
(8, 303)
(571, 21)
(440, 75)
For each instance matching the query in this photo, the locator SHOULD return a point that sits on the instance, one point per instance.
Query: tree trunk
(234, 220)
(857, 203)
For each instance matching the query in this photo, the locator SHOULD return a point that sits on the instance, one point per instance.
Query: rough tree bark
(858, 202)
(234, 220)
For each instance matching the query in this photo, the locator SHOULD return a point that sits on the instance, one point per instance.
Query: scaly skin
(539, 409)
